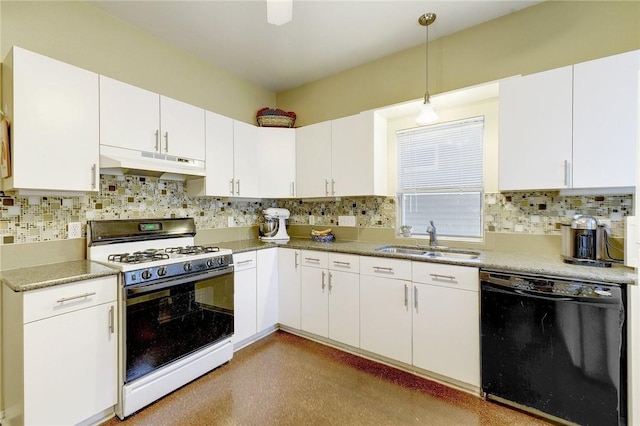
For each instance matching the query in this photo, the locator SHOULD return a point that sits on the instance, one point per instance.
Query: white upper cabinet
(277, 156)
(313, 160)
(605, 121)
(130, 116)
(571, 127)
(52, 108)
(137, 119)
(245, 160)
(343, 157)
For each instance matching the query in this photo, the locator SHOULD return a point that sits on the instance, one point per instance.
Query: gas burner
(138, 256)
(191, 250)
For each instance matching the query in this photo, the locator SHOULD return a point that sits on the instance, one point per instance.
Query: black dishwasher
(555, 346)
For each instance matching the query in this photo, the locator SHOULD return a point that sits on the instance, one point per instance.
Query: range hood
(122, 161)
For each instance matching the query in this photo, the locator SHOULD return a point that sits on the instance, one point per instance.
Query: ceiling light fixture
(279, 12)
(427, 114)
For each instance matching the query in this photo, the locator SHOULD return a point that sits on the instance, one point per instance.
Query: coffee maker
(583, 242)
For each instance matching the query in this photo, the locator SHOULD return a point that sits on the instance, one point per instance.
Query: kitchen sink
(431, 252)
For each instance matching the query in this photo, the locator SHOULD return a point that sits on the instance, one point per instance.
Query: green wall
(549, 35)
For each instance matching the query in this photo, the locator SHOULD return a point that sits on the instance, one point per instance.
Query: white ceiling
(324, 37)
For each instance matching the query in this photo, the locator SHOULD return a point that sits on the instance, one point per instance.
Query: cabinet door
(605, 121)
(267, 289)
(344, 307)
(129, 116)
(385, 317)
(55, 124)
(289, 291)
(245, 160)
(447, 341)
(70, 366)
(314, 301)
(536, 131)
(313, 160)
(244, 300)
(277, 154)
(182, 127)
(219, 158)
(351, 158)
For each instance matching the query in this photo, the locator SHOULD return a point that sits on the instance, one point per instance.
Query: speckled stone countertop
(548, 265)
(35, 277)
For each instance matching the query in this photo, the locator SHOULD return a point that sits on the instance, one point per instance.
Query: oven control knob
(146, 274)
(220, 261)
(162, 271)
(187, 266)
(210, 263)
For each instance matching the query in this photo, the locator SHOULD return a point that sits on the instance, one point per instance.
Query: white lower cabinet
(61, 368)
(289, 287)
(314, 293)
(446, 321)
(244, 297)
(344, 299)
(385, 307)
(267, 289)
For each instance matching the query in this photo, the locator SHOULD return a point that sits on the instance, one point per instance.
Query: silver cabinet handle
(333, 187)
(406, 296)
(330, 286)
(111, 320)
(293, 189)
(296, 261)
(338, 263)
(567, 173)
(166, 141)
(381, 269)
(326, 187)
(233, 188)
(311, 259)
(415, 298)
(93, 176)
(242, 262)
(438, 276)
(238, 187)
(323, 274)
(157, 141)
(81, 296)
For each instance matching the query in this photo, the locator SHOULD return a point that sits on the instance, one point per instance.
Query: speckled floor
(287, 380)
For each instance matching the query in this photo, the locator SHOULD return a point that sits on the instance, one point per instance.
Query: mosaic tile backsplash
(36, 219)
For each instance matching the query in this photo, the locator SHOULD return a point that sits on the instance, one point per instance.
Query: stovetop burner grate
(192, 250)
(138, 256)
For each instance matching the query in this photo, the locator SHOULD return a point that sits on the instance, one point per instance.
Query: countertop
(36, 277)
(548, 265)
(32, 278)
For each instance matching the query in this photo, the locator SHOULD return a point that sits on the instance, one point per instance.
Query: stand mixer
(275, 231)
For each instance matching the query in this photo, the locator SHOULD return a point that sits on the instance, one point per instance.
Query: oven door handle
(145, 288)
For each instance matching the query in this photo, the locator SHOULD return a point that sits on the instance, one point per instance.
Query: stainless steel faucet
(433, 238)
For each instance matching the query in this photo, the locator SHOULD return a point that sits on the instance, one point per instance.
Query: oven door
(166, 321)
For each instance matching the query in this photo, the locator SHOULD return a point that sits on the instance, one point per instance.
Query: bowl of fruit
(324, 236)
(270, 117)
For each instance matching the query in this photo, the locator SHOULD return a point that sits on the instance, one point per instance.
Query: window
(440, 178)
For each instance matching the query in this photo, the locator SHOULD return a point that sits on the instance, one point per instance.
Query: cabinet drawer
(385, 267)
(245, 260)
(318, 259)
(47, 302)
(462, 277)
(344, 262)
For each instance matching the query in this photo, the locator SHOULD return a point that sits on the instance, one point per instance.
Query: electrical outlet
(231, 222)
(312, 219)
(346, 220)
(74, 230)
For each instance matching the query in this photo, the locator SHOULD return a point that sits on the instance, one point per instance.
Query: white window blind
(440, 177)
(441, 157)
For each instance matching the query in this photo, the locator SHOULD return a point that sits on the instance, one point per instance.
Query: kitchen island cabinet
(133, 118)
(446, 321)
(62, 365)
(53, 111)
(571, 128)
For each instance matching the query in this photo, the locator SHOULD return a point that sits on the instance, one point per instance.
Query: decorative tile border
(36, 219)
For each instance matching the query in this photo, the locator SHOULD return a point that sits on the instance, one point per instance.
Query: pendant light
(279, 12)
(427, 114)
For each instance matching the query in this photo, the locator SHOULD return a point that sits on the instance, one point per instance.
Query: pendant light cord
(426, 64)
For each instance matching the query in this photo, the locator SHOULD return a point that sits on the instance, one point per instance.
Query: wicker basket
(275, 121)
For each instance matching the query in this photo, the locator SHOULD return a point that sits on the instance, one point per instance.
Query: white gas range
(176, 304)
